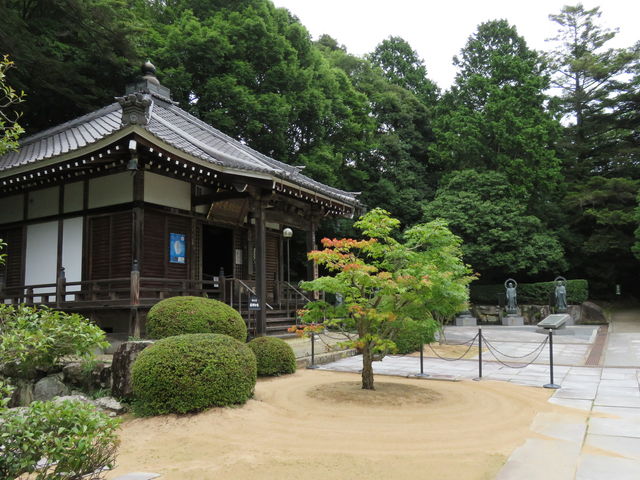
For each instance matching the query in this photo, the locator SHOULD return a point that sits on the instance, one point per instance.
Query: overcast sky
(437, 30)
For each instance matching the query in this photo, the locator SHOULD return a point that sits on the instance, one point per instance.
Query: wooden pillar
(312, 267)
(135, 329)
(261, 268)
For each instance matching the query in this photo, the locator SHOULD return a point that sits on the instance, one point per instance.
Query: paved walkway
(607, 446)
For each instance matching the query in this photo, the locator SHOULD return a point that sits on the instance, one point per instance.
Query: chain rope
(515, 356)
(540, 349)
(461, 356)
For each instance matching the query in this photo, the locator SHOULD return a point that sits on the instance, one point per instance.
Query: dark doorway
(217, 251)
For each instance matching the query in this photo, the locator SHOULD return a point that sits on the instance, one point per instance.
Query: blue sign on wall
(177, 248)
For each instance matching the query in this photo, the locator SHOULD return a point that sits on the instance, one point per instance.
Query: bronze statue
(512, 296)
(561, 294)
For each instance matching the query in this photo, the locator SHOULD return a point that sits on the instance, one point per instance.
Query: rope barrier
(461, 356)
(540, 348)
(515, 356)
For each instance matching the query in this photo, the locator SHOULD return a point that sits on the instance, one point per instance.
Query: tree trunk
(367, 369)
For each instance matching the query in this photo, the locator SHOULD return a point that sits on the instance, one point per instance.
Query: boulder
(73, 374)
(49, 387)
(123, 358)
(73, 398)
(592, 314)
(109, 404)
(22, 393)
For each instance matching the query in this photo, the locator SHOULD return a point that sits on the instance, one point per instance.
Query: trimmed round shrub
(182, 315)
(412, 334)
(187, 373)
(273, 355)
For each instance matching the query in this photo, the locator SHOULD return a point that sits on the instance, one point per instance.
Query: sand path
(321, 425)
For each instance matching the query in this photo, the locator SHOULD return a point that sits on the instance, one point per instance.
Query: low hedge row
(540, 293)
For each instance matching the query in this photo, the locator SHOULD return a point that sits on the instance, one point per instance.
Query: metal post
(551, 384)
(422, 374)
(313, 351)
(288, 278)
(479, 354)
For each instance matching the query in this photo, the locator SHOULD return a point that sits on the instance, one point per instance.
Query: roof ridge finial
(149, 72)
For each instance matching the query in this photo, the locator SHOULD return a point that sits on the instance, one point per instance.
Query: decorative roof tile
(172, 125)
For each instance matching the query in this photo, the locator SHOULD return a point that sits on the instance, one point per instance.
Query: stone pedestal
(513, 320)
(466, 320)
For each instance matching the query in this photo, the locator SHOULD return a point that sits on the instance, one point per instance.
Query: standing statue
(561, 294)
(512, 296)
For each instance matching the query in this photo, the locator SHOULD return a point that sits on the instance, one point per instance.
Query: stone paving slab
(621, 412)
(625, 446)
(626, 427)
(580, 404)
(599, 467)
(554, 425)
(531, 461)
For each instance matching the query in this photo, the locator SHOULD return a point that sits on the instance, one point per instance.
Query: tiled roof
(172, 125)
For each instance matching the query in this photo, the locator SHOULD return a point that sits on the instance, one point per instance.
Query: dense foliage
(412, 335)
(187, 373)
(566, 159)
(274, 356)
(181, 315)
(38, 337)
(383, 281)
(56, 440)
(539, 293)
(10, 130)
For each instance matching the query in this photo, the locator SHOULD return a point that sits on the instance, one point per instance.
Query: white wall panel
(73, 197)
(41, 255)
(167, 191)
(43, 203)
(72, 252)
(111, 190)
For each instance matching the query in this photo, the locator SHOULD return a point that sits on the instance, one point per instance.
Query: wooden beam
(217, 197)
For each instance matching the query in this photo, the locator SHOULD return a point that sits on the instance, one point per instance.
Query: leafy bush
(539, 293)
(182, 315)
(33, 337)
(192, 372)
(274, 356)
(61, 441)
(412, 334)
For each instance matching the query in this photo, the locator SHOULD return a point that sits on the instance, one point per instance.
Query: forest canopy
(537, 185)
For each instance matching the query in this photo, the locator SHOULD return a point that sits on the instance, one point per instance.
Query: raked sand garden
(322, 425)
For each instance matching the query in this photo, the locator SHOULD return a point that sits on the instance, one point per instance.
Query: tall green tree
(495, 118)
(10, 129)
(600, 146)
(590, 78)
(395, 172)
(252, 70)
(500, 237)
(71, 56)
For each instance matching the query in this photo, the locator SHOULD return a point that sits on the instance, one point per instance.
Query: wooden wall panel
(12, 271)
(110, 248)
(155, 247)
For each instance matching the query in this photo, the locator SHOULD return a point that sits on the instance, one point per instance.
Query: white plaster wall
(110, 190)
(41, 255)
(11, 208)
(72, 252)
(43, 203)
(73, 197)
(167, 191)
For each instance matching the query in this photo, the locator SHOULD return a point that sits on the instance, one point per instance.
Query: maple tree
(379, 281)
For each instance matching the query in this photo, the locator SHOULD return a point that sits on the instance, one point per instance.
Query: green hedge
(531, 293)
(182, 315)
(412, 334)
(187, 373)
(273, 355)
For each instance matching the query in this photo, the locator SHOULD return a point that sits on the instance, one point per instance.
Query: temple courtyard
(443, 425)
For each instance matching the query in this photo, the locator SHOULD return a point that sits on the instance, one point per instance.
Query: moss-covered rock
(187, 373)
(182, 315)
(273, 355)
